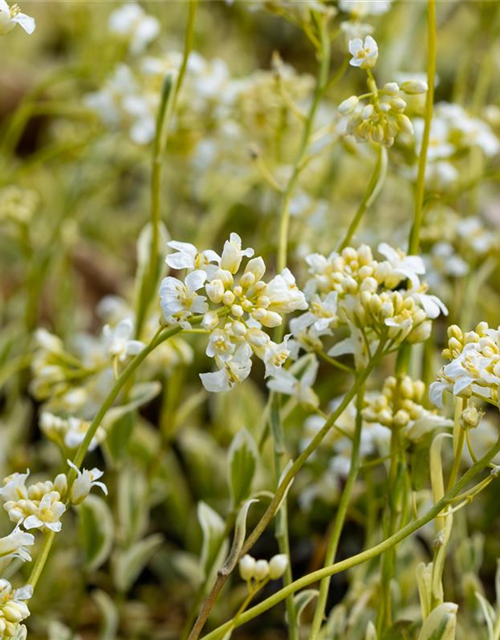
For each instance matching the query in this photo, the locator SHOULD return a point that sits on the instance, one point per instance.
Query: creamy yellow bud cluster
(378, 116)
(13, 609)
(398, 404)
(400, 407)
(365, 294)
(474, 367)
(457, 339)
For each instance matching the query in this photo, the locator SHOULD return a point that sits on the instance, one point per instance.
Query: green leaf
(109, 615)
(302, 600)
(213, 528)
(120, 421)
(129, 563)
(441, 624)
(132, 504)
(96, 531)
(242, 461)
(239, 537)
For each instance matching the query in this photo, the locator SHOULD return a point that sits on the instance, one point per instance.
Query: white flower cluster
(351, 289)
(69, 432)
(13, 610)
(10, 16)
(131, 23)
(474, 367)
(361, 8)
(41, 505)
(399, 406)
(235, 305)
(378, 115)
(257, 571)
(453, 131)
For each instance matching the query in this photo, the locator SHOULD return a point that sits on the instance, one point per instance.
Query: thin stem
(161, 336)
(364, 556)
(321, 84)
(414, 239)
(167, 108)
(333, 543)
(281, 529)
(41, 558)
(373, 189)
(282, 489)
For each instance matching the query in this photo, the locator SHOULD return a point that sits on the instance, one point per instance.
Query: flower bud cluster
(352, 289)
(41, 505)
(379, 116)
(474, 367)
(258, 571)
(399, 407)
(69, 432)
(236, 304)
(13, 608)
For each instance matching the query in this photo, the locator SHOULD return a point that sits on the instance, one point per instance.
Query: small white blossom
(118, 340)
(85, 480)
(14, 546)
(132, 22)
(187, 256)
(12, 16)
(179, 300)
(231, 371)
(284, 381)
(233, 254)
(364, 53)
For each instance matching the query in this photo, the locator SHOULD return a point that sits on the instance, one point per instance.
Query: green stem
(167, 108)
(281, 530)
(321, 84)
(372, 191)
(340, 517)
(414, 239)
(41, 558)
(123, 378)
(283, 487)
(364, 556)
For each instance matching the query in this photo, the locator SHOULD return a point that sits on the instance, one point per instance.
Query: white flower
(284, 295)
(432, 305)
(14, 546)
(13, 610)
(15, 487)
(179, 299)
(131, 21)
(220, 345)
(364, 54)
(275, 356)
(362, 8)
(118, 342)
(85, 480)
(10, 16)
(188, 257)
(284, 381)
(46, 513)
(402, 265)
(232, 371)
(233, 254)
